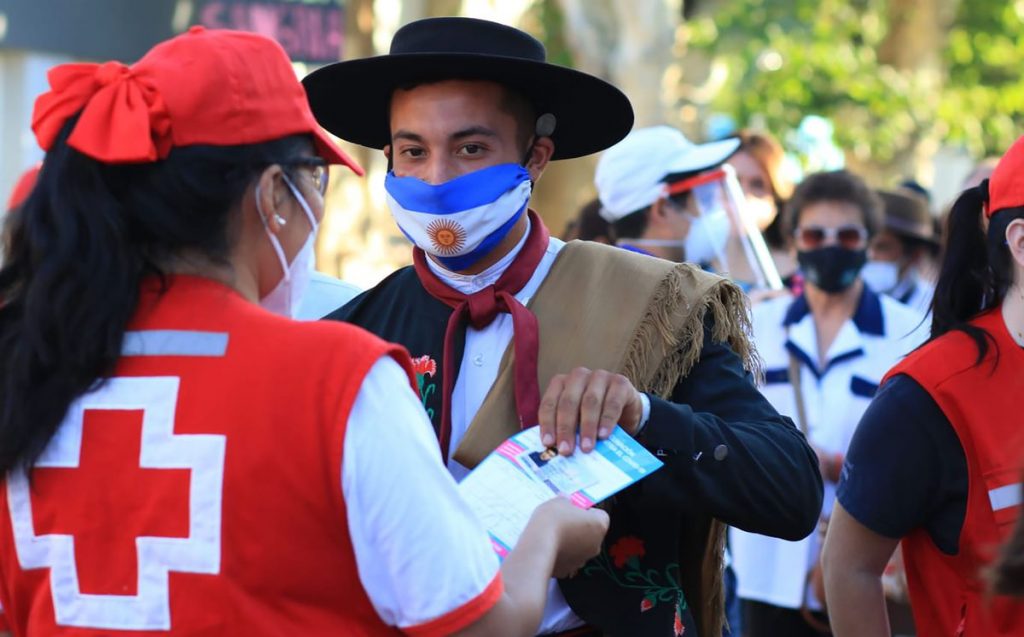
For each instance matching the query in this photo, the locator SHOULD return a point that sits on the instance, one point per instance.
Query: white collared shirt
(835, 395)
(479, 369)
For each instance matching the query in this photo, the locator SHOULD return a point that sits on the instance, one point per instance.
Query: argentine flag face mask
(463, 219)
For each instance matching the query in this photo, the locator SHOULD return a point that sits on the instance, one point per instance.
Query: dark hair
(589, 225)
(79, 248)
(838, 186)
(976, 269)
(773, 234)
(632, 226)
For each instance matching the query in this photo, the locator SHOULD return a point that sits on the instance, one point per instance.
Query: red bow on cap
(124, 118)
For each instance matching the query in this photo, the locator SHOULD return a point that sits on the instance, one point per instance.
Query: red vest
(948, 594)
(198, 491)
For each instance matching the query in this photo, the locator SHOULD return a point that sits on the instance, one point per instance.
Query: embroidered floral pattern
(621, 564)
(626, 549)
(425, 367)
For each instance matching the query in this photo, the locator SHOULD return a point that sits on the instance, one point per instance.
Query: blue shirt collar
(798, 309)
(868, 317)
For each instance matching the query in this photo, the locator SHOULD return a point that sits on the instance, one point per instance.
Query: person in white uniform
(825, 353)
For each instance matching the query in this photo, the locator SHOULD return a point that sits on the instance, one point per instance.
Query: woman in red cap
(178, 458)
(936, 460)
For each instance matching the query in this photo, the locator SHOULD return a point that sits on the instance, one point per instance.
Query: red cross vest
(198, 490)
(948, 594)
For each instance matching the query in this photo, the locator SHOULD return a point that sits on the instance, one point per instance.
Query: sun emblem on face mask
(447, 236)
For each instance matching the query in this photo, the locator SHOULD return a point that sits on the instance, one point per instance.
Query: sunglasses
(317, 167)
(849, 237)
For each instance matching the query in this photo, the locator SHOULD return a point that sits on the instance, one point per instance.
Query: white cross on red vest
(168, 486)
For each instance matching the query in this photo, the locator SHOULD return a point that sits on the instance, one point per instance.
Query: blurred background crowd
(913, 98)
(919, 91)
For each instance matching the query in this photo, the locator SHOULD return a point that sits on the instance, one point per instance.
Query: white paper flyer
(521, 474)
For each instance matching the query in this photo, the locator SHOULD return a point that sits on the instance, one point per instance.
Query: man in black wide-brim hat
(469, 113)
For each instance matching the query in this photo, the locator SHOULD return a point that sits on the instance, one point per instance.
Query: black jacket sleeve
(729, 453)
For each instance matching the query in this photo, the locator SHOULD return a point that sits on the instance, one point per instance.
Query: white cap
(631, 174)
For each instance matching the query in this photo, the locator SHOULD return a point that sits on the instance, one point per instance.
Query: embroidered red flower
(677, 624)
(646, 605)
(424, 365)
(626, 548)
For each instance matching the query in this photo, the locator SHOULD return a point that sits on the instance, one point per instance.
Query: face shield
(721, 204)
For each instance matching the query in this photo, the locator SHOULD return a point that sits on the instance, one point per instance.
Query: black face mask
(832, 269)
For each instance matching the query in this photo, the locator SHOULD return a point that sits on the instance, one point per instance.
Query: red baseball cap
(23, 188)
(1006, 185)
(206, 86)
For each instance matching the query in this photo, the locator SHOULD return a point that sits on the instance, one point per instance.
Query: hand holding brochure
(521, 474)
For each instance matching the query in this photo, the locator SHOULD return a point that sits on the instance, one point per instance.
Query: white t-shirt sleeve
(424, 560)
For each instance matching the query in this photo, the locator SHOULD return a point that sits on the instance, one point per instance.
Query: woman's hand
(578, 533)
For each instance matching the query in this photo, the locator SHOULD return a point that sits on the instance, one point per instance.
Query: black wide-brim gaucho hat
(352, 99)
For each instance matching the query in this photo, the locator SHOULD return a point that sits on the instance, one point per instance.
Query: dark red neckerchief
(483, 307)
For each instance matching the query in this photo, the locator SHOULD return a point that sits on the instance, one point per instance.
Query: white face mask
(704, 242)
(881, 276)
(707, 237)
(762, 211)
(286, 297)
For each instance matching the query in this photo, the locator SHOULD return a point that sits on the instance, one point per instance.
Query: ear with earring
(281, 221)
(276, 217)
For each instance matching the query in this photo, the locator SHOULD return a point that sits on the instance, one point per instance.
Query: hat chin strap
(525, 162)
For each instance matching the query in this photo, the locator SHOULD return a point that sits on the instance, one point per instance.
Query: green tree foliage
(544, 19)
(983, 106)
(784, 59)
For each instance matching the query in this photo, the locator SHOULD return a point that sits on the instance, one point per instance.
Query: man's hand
(590, 401)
